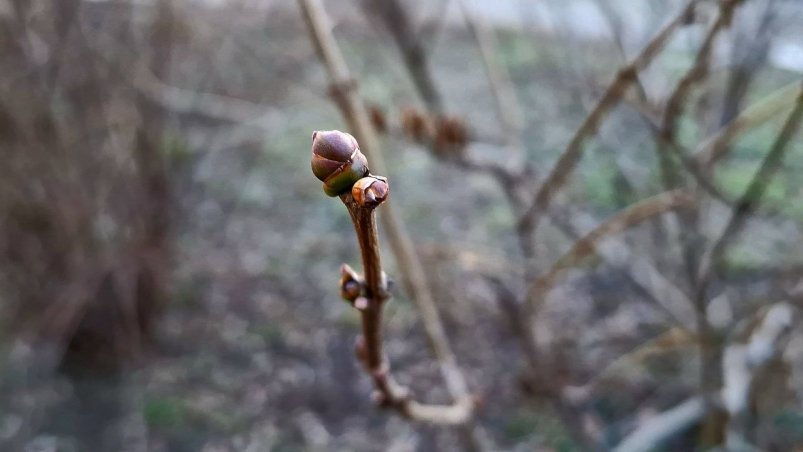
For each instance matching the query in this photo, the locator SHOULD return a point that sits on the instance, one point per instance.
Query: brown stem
(698, 71)
(753, 194)
(587, 245)
(613, 94)
(365, 226)
(688, 235)
(715, 148)
(397, 22)
(369, 349)
(411, 271)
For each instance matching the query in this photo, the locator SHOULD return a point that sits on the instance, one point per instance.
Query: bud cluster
(447, 135)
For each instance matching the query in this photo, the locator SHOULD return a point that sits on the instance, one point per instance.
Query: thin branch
(754, 192)
(209, 105)
(586, 246)
(413, 277)
(664, 426)
(698, 71)
(749, 51)
(571, 155)
(369, 349)
(742, 364)
(715, 148)
(507, 106)
(397, 23)
(641, 271)
(671, 340)
(688, 235)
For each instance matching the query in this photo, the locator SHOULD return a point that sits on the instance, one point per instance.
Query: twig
(507, 107)
(664, 426)
(397, 22)
(369, 349)
(641, 271)
(711, 150)
(742, 363)
(749, 51)
(586, 245)
(413, 277)
(671, 340)
(688, 234)
(210, 105)
(698, 71)
(754, 192)
(715, 148)
(710, 377)
(571, 155)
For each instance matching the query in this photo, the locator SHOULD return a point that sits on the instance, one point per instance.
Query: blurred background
(169, 265)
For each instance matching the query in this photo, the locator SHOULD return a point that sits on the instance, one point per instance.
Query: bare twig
(413, 278)
(750, 49)
(641, 271)
(710, 377)
(586, 245)
(743, 362)
(688, 234)
(664, 426)
(369, 348)
(671, 340)
(571, 155)
(715, 148)
(507, 106)
(754, 192)
(397, 22)
(210, 105)
(698, 71)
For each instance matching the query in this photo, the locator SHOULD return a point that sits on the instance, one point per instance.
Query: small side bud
(337, 161)
(350, 284)
(378, 119)
(416, 124)
(370, 191)
(451, 137)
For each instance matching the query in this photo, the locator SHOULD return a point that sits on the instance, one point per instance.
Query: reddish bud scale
(370, 191)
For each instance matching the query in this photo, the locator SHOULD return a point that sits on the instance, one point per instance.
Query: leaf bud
(337, 161)
(370, 191)
(350, 284)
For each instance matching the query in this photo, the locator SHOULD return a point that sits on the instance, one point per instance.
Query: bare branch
(715, 148)
(754, 192)
(397, 23)
(640, 270)
(743, 362)
(740, 364)
(698, 71)
(210, 105)
(369, 349)
(586, 246)
(507, 107)
(613, 94)
(664, 426)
